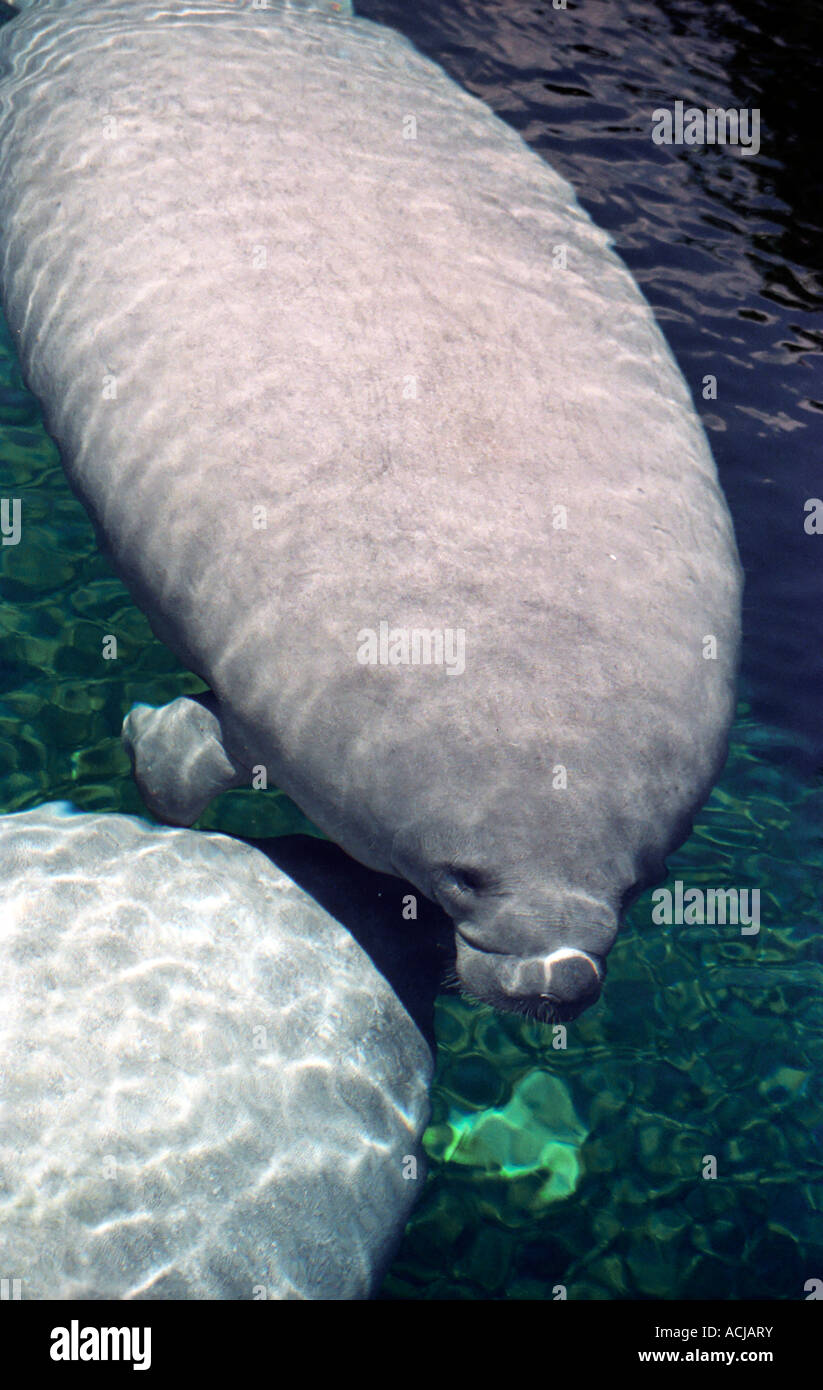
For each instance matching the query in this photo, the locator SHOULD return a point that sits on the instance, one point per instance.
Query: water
(583, 1168)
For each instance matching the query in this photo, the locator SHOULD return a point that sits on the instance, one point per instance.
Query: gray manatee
(384, 439)
(208, 1089)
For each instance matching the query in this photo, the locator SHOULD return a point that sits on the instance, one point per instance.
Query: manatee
(384, 439)
(209, 1091)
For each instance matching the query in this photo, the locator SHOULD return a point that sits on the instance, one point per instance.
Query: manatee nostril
(573, 977)
(552, 988)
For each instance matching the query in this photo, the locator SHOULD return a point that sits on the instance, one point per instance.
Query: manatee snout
(554, 987)
(536, 953)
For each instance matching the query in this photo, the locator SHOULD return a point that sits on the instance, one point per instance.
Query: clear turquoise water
(581, 1167)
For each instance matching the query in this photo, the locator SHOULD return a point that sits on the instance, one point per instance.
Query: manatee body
(208, 1089)
(384, 439)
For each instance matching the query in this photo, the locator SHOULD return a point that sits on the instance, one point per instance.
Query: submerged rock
(208, 1091)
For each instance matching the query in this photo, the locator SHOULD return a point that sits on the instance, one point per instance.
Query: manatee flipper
(178, 757)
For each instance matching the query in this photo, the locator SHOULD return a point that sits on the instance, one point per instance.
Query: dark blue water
(584, 1168)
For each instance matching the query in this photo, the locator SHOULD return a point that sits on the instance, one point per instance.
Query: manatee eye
(466, 879)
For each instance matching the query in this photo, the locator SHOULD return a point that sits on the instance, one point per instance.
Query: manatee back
(294, 305)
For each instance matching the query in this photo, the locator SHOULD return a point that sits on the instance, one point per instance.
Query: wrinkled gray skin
(372, 338)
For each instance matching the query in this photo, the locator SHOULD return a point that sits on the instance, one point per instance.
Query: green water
(704, 1043)
(579, 1167)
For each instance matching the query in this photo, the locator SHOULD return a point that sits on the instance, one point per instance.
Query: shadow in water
(414, 956)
